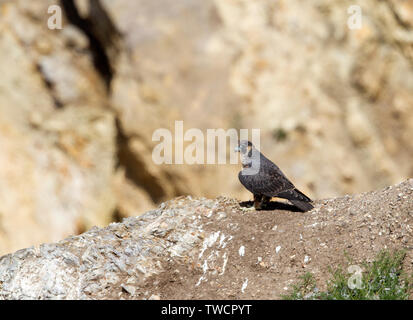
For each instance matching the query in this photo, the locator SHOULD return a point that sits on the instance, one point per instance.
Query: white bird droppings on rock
(241, 251)
(208, 242)
(225, 257)
(244, 285)
(205, 266)
(199, 281)
(221, 240)
(225, 243)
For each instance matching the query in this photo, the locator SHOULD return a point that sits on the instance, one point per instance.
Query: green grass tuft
(382, 279)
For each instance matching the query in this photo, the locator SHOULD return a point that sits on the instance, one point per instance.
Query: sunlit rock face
(78, 106)
(198, 248)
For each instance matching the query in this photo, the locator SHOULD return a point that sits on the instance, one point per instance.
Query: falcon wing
(269, 181)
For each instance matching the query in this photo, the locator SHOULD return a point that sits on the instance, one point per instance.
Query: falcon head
(245, 148)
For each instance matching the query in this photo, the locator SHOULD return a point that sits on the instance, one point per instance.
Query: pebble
(221, 215)
(129, 289)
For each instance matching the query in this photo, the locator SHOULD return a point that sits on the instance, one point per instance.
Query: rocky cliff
(196, 248)
(78, 106)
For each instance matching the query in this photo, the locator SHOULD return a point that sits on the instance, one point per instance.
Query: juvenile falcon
(265, 180)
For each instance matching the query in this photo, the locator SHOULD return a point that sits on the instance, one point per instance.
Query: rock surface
(195, 248)
(57, 141)
(78, 106)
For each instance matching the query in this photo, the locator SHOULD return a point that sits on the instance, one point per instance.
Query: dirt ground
(270, 249)
(197, 248)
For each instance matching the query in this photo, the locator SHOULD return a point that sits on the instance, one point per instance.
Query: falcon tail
(302, 205)
(297, 198)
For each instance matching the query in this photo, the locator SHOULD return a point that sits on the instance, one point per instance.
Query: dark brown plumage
(265, 180)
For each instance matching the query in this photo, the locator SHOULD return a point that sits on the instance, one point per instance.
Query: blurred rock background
(78, 106)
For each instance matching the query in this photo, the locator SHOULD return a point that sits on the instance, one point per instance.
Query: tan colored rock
(334, 105)
(56, 164)
(284, 67)
(187, 249)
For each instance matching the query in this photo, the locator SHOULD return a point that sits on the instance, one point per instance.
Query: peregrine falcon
(265, 180)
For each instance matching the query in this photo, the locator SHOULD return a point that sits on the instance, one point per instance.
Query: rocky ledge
(197, 248)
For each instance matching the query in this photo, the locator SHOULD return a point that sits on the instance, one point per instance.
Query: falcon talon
(265, 180)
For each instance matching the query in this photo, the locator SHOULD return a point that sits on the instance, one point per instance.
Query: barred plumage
(265, 180)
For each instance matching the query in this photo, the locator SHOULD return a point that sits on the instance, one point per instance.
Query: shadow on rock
(272, 205)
